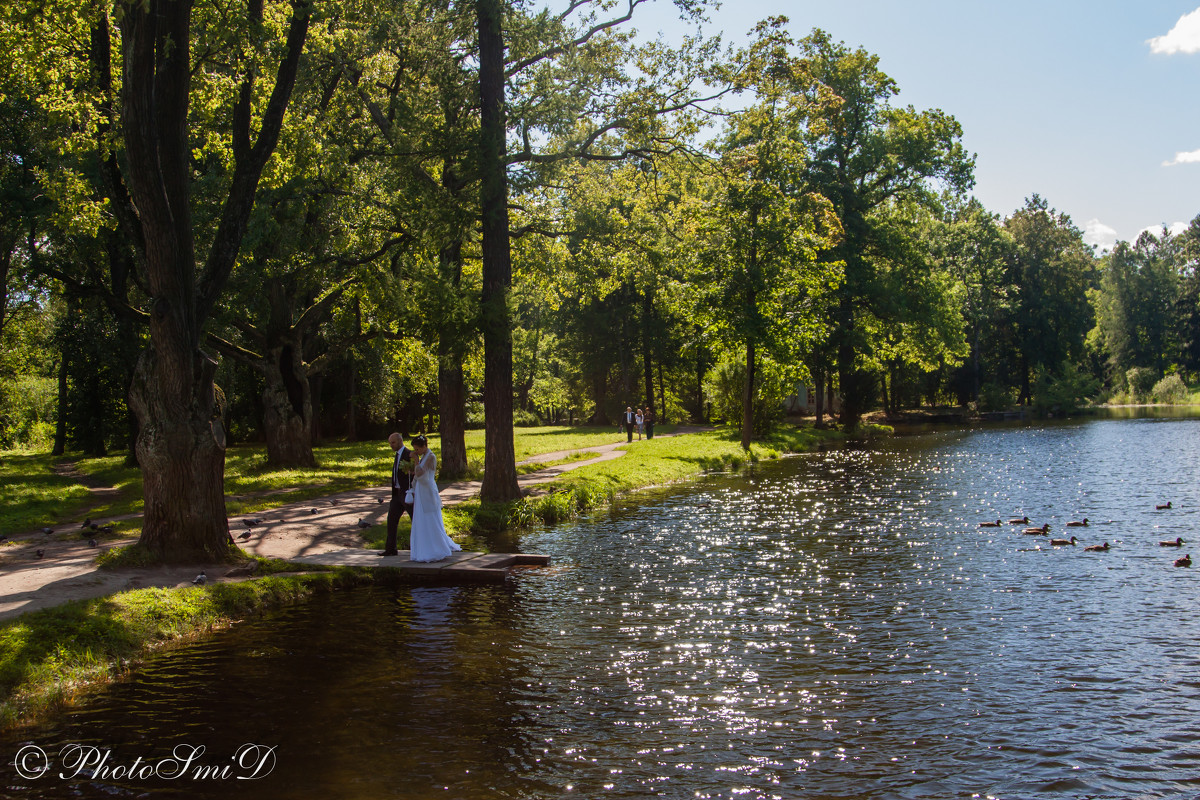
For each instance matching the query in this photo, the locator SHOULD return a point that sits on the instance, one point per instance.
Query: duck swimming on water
(1021, 521)
(1060, 542)
(1096, 548)
(1042, 531)
(1177, 543)
(1186, 561)
(995, 524)
(1078, 523)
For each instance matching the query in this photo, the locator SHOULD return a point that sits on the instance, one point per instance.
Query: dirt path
(66, 570)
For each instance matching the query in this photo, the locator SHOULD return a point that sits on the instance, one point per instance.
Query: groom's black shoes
(389, 553)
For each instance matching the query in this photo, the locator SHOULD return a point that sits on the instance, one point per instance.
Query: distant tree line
(289, 221)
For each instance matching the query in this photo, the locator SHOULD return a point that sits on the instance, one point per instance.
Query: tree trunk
(748, 396)
(288, 409)
(181, 442)
(599, 397)
(452, 422)
(60, 423)
(499, 468)
(351, 401)
(662, 395)
(819, 401)
(975, 368)
(647, 360)
(181, 447)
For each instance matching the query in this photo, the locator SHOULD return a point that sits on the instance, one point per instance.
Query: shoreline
(52, 656)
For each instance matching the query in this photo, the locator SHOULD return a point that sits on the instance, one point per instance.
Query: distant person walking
(401, 480)
(641, 421)
(629, 423)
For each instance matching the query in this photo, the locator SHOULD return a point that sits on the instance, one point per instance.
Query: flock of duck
(1044, 530)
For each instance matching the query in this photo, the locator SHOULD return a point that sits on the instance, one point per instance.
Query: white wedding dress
(428, 541)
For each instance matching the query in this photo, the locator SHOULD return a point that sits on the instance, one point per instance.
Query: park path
(67, 570)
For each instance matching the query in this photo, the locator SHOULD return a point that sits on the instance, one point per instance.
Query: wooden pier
(458, 568)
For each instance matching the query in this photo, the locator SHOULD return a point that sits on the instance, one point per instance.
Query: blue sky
(1093, 105)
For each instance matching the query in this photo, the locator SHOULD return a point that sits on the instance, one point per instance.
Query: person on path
(640, 420)
(401, 466)
(629, 424)
(428, 541)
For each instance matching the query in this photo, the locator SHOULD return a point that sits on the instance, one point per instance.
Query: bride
(428, 540)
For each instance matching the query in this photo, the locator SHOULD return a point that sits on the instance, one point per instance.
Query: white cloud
(1101, 235)
(1175, 228)
(1190, 157)
(1183, 38)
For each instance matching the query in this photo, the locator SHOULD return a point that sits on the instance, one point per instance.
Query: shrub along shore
(50, 658)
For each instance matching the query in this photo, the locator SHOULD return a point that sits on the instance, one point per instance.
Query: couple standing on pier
(414, 491)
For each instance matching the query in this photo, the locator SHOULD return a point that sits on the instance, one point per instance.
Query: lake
(833, 625)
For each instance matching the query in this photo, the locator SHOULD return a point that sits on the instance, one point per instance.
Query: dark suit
(396, 509)
(628, 417)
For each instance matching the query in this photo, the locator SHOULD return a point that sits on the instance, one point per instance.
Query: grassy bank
(49, 658)
(36, 495)
(652, 462)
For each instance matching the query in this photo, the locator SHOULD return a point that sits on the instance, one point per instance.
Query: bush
(995, 397)
(525, 419)
(726, 384)
(1170, 389)
(1141, 381)
(27, 406)
(474, 416)
(1063, 393)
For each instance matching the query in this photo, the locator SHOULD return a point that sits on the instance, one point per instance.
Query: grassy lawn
(35, 496)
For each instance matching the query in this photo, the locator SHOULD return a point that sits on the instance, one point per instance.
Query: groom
(400, 482)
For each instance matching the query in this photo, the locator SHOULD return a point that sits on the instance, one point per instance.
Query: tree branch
(576, 42)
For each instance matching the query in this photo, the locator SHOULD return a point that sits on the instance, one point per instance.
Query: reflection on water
(828, 626)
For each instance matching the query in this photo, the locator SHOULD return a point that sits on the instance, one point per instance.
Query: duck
(1021, 521)
(1060, 542)
(1096, 548)
(1163, 507)
(1177, 543)
(1083, 523)
(995, 524)
(1042, 531)
(1186, 561)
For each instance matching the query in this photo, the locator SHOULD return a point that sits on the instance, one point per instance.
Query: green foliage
(1170, 389)
(27, 412)
(1060, 393)
(995, 397)
(725, 387)
(1141, 381)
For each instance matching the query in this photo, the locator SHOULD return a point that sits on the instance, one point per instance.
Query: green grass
(35, 497)
(647, 463)
(49, 657)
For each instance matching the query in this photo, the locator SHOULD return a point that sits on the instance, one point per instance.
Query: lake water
(834, 625)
